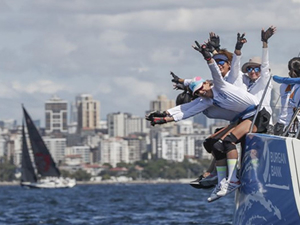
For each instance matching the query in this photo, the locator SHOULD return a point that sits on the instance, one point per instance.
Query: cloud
(167, 55)
(6, 92)
(40, 86)
(113, 42)
(140, 69)
(121, 52)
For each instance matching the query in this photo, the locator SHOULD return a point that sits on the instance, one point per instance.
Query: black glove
(240, 41)
(213, 42)
(270, 129)
(153, 114)
(203, 50)
(180, 86)
(265, 35)
(158, 120)
(175, 78)
(210, 48)
(278, 129)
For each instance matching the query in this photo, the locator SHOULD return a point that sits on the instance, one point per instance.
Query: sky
(122, 52)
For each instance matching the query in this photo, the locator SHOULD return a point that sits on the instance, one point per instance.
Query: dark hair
(294, 67)
(228, 54)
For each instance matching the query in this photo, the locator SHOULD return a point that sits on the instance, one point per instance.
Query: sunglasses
(256, 69)
(220, 62)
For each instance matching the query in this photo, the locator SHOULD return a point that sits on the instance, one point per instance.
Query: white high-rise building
(113, 151)
(173, 148)
(135, 124)
(56, 111)
(116, 124)
(83, 151)
(162, 103)
(57, 147)
(3, 146)
(185, 127)
(124, 124)
(177, 147)
(15, 147)
(88, 112)
(136, 147)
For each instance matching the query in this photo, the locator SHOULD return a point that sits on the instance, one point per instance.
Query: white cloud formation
(140, 69)
(167, 55)
(6, 92)
(40, 86)
(122, 51)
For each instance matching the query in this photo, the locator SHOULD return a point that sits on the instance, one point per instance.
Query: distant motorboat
(48, 175)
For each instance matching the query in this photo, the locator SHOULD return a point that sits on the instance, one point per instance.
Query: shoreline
(159, 181)
(179, 181)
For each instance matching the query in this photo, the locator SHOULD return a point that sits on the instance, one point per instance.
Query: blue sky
(122, 52)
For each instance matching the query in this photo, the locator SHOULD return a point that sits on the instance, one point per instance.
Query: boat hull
(270, 176)
(50, 183)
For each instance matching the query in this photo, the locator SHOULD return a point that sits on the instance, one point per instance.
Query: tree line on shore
(139, 170)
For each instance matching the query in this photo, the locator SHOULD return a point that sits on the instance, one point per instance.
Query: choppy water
(114, 204)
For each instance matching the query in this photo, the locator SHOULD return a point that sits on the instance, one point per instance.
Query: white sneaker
(211, 179)
(213, 196)
(228, 187)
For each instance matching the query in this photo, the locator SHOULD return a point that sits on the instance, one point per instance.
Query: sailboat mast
(27, 170)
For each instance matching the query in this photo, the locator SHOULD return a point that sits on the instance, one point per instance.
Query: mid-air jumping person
(229, 65)
(226, 96)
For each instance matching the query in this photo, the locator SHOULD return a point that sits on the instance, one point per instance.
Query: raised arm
(265, 36)
(235, 74)
(213, 43)
(176, 79)
(215, 71)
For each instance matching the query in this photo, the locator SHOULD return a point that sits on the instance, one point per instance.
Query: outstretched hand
(158, 120)
(179, 86)
(213, 42)
(175, 78)
(241, 40)
(265, 35)
(153, 114)
(203, 50)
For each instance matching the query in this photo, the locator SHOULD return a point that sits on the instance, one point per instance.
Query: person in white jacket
(256, 73)
(228, 64)
(290, 94)
(227, 96)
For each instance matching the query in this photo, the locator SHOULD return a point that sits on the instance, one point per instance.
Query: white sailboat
(48, 173)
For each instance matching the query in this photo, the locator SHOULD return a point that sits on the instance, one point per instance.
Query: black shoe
(196, 183)
(211, 179)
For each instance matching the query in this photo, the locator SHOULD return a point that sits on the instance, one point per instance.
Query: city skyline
(68, 109)
(122, 52)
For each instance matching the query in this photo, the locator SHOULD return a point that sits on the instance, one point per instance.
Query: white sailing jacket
(234, 76)
(257, 88)
(226, 96)
(290, 98)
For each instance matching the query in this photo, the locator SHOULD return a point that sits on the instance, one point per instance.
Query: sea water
(114, 204)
